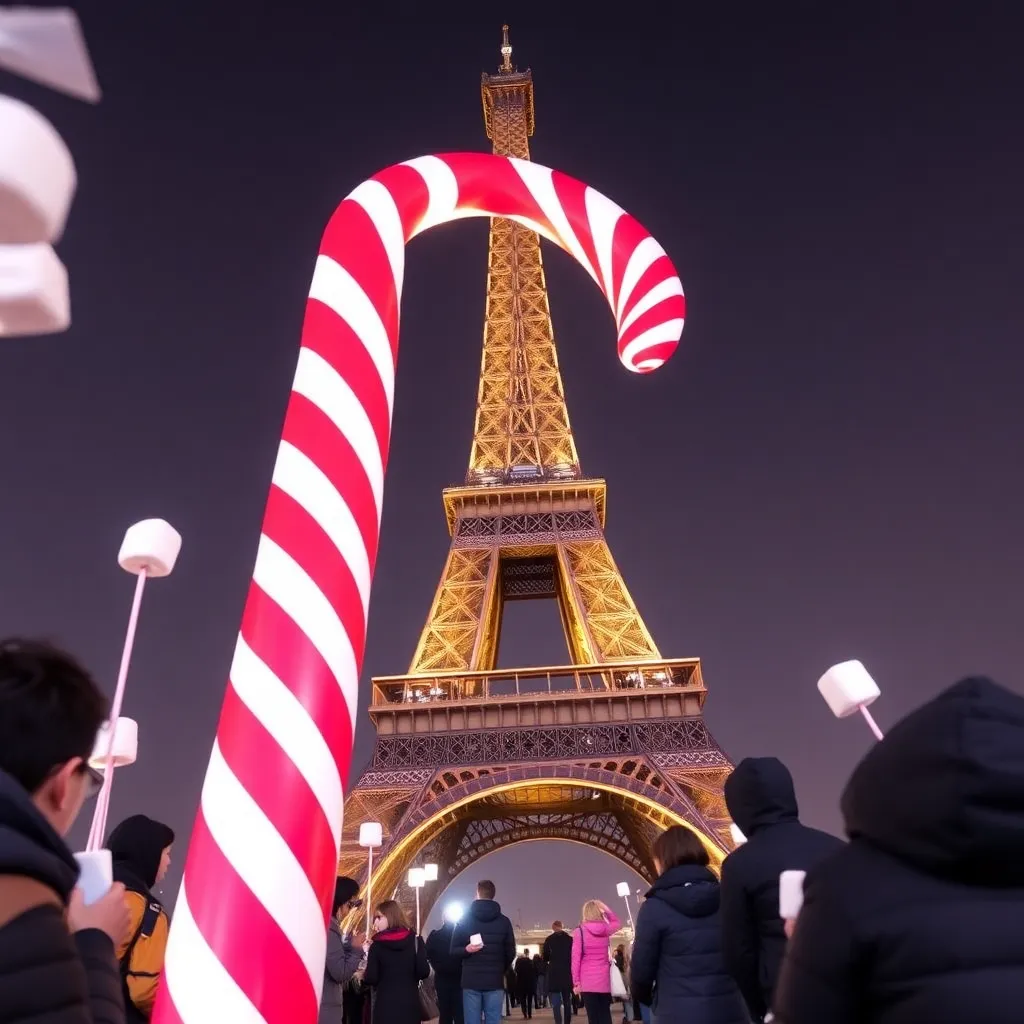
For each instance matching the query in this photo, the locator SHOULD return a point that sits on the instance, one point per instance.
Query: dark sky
(831, 467)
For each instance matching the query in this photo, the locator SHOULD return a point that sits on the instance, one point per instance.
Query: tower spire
(506, 51)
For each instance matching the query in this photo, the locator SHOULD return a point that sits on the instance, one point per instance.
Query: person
(591, 975)
(447, 971)
(484, 964)
(557, 953)
(621, 960)
(141, 852)
(344, 952)
(396, 964)
(542, 980)
(762, 801)
(526, 983)
(677, 966)
(57, 959)
(920, 918)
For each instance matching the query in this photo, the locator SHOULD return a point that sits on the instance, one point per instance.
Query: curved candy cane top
(627, 263)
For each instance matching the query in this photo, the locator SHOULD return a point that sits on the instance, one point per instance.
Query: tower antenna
(506, 50)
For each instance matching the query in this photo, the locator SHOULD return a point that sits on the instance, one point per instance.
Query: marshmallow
(150, 546)
(737, 836)
(791, 894)
(371, 835)
(96, 874)
(37, 176)
(847, 688)
(126, 744)
(622, 889)
(34, 295)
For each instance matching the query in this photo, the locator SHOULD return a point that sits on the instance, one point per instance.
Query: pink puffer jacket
(590, 941)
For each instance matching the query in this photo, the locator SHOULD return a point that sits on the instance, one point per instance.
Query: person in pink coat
(591, 969)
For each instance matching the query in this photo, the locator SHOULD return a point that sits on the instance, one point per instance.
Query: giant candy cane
(248, 939)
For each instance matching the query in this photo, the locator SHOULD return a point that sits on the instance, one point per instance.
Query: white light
(416, 878)
(737, 836)
(622, 888)
(453, 912)
(430, 872)
(371, 835)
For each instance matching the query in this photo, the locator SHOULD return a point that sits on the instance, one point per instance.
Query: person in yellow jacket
(141, 852)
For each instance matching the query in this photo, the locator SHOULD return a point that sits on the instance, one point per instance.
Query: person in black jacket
(395, 965)
(762, 801)
(677, 965)
(447, 973)
(557, 953)
(484, 964)
(920, 918)
(56, 955)
(526, 983)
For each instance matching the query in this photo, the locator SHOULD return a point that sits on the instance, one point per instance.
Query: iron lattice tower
(606, 751)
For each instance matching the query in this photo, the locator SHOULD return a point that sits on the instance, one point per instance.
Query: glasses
(93, 779)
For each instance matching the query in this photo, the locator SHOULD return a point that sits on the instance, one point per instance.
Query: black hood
(689, 888)
(944, 791)
(485, 910)
(760, 792)
(394, 940)
(136, 846)
(29, 845)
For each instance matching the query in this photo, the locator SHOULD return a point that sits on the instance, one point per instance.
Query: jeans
(598, 1006)
(558, 1000)
(482, 1005)
(645, 1013)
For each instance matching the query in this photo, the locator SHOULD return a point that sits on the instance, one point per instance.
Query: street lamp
(623, 890)
(37, 174)
(417, 879)
(371, 837)
(430, 872)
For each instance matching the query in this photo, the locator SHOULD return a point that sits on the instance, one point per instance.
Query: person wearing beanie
(344, 952)
(141, 851)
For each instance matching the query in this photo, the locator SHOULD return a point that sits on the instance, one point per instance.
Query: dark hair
(50, 710)
(394, 914)
(679, 845)
(485, 890)
(556, 926)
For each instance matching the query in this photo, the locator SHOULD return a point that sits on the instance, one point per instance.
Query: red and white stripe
(249, 933)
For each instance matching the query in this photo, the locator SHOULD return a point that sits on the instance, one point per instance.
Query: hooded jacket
(484, 970)
(677, 963)
(557, 953)
(47, 974)
(396, 964)
(590, 956)
(136, 846)
(762, 801)
(921, 917)
(439, 952)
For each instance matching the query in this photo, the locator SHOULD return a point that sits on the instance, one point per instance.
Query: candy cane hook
(248, 939)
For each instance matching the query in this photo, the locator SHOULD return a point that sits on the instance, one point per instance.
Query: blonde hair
(592, 911)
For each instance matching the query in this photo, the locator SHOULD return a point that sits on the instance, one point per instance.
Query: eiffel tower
(607, 751)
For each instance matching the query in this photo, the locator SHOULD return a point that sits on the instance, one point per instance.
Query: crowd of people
(918, 918)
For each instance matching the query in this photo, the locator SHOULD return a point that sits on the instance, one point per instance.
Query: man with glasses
(56, 954)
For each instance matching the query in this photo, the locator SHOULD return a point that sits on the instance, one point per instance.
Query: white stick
(872, 724)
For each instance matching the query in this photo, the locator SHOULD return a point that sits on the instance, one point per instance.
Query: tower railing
(672, 675)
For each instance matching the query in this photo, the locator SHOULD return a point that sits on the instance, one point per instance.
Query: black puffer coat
(762, 801)
(677, 955)
(47, 975)
(484, 970)
(920, 919)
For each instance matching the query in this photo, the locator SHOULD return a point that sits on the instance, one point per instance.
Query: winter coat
(484, 971)
(47, 974)
(920, 919)
(591, 965)
(762, 801)
(136, 847)
(677, 964)
(526, 976)
(340, 964)
(439, 952)
(396, 964)
(557, 953)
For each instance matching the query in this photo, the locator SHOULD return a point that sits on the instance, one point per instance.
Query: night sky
(831, 466)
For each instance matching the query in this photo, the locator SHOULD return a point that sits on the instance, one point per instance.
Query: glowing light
(453, 912)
